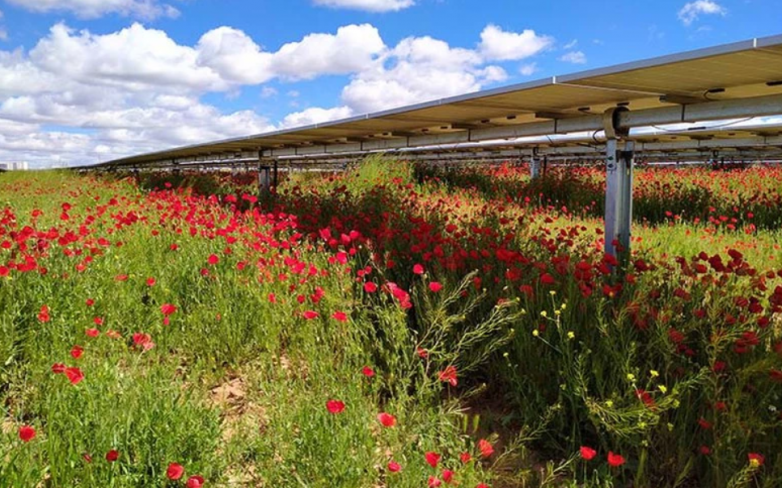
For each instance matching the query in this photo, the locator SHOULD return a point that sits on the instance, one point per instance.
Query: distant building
(21, 166)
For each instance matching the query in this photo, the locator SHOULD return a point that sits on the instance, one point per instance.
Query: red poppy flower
(448, 375)
(448, 475)
(335, 406)
(43, 315)
(370, 287)
(587, 453)
(418, 269)
(675, 336)
(615, 460)
(87, 458)
(646, 398)
(482, 485)
(90, 302)
(310, 314)
(151, 281)
(144, 341)
(112, 455)
(465, 457)
(527, 290)
(401, 295)
(432, 458)
(422, 353)
(175, 471)
(368, 372)
(75, 376)
(139, 339)
(756, 459)
(776, 375)
(26, 433)
(394, 467)
(77, 352)
(168, 309)
(485, 447)
(195, 482)
(434, 482)
(213, 259)
(340, 316)
(58, 368)
(92, 332)
(435, 287)
(386, 419)
(705, 450)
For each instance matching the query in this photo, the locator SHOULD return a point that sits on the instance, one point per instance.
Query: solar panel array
(739, 79)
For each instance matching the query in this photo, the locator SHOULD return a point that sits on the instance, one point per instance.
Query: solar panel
(731, 72)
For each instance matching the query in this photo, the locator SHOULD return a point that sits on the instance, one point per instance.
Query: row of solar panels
(731, 143)
(740, 79)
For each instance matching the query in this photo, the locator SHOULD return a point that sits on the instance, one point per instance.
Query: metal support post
(264, 179)
(619, 199)
(619, 190)
(534, 165)
(276, 175)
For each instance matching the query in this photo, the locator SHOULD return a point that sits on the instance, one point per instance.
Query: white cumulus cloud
(137, 90)
(528, 69)
(692, 10)
(499, 45)
(347, 51)
(416, 70)
(136, 58)
(575, 57)
(234, 56)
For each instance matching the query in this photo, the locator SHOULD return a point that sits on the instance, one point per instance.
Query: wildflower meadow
(393, 325)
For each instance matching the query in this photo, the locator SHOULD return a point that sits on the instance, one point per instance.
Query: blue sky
(88, 80)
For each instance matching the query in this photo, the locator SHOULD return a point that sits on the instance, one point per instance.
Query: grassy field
(393, 326)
